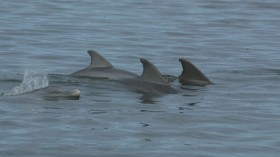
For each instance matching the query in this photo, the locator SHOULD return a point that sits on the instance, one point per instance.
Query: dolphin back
(151, 81)
(151, 73)
(98, 61)
(191, 75)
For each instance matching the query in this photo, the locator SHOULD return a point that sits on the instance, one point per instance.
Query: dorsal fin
(191, 72)
(98, 61)
(151, 73)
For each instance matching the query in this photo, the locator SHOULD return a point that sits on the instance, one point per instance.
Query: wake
(31, 81)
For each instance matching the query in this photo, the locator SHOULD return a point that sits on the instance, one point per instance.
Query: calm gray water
(235, 43)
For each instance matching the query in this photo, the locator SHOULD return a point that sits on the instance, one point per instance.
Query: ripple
(237, 46)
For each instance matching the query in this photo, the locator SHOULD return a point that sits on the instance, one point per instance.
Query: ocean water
(235, 43)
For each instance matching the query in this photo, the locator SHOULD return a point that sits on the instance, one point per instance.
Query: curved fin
(191, 73)
(151, 73)
(98, 61)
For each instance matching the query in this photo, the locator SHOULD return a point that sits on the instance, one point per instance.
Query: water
(235, 43)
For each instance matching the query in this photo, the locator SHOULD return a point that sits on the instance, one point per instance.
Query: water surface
(235, 43)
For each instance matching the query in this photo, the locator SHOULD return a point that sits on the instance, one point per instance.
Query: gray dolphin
(57, 93)
(191, 75)
(51, 93)
(151, 81)
(101, 68)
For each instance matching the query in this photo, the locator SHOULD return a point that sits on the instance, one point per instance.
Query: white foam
(31, 81)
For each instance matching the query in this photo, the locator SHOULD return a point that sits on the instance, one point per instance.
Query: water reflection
(185, 108)
(190, 91)
(97, 111)
(147, 99)
(150, 111)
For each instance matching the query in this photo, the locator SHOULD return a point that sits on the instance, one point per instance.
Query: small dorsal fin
(98, 61)
(191, 72)
(151, 73)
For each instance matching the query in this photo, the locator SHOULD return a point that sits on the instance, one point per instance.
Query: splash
(31, 81)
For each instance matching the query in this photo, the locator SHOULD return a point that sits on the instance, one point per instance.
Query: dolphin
(101, 68)
(57, 93)
(191, 75)
(151, 81)
(51, 93)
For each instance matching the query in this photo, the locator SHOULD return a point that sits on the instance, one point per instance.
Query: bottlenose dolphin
(191, 75)
(101, 68)
(50, 93)
(151, 81)
(57, 93)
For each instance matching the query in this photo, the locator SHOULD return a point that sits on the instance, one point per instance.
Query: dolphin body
(52, 93)
(101, 68)
(56, 93)
(191, 75)
(151, 81)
